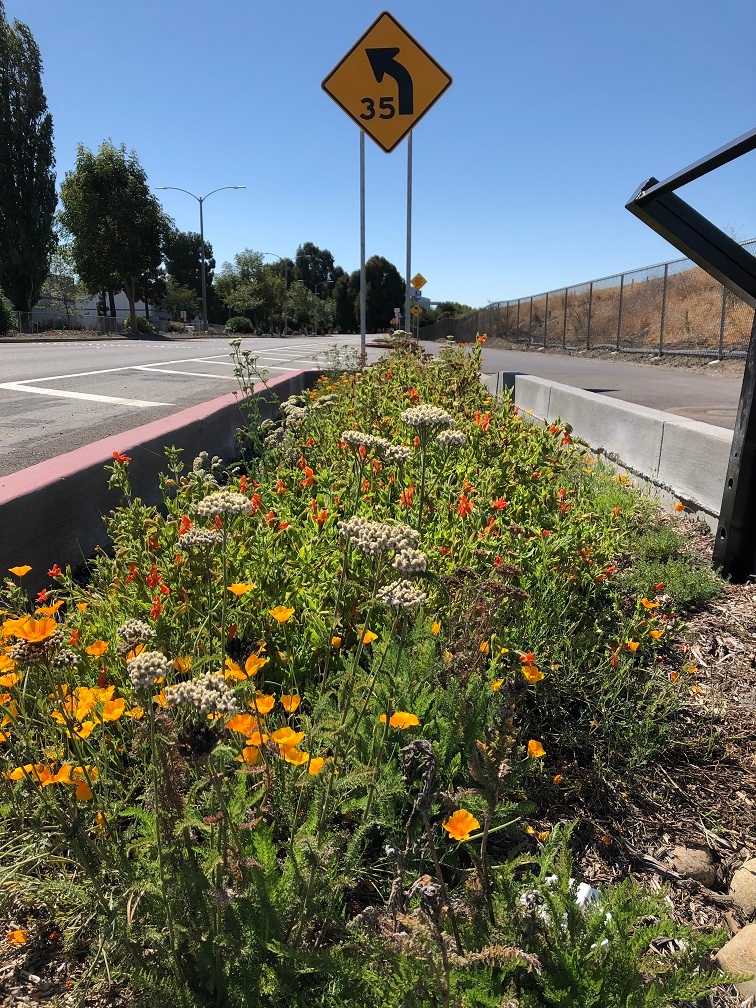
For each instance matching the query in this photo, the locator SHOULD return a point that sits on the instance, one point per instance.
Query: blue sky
(558, 111)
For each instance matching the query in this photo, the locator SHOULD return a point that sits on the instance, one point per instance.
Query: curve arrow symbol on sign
(383, 62)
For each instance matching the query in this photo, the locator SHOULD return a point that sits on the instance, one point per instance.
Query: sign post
(386, 83)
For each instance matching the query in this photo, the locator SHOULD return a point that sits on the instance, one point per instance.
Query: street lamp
(286, 285)
(201, 200)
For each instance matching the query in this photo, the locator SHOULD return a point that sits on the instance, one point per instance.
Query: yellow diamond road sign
(418, 281)
(386, 82)
(416, 310)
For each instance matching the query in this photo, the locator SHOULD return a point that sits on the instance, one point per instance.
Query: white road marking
(190, 374)
(61, 394)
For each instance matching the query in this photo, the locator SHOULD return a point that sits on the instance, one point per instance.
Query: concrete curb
(52, 512)
(672, 457)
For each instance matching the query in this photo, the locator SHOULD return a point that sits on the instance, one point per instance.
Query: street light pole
(201, 200)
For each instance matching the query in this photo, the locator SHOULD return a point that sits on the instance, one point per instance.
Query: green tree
(183, 260)
(180, 299)
(118, 226)
(384, 290)
(344, 308)
(27, 179)
(314, 266)
(62, 288)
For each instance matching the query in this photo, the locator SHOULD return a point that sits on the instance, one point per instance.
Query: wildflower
(656, 634)
(485, 647)
(121, 459)
(500, 504)
(632, 645)
(658, 587)
(281, 613)
(49, 610)
(196, 539)
(406, 497)
(316, 765)
(400, 595)
(374, 538)
(496, 685)
(401, 719)
(156, 607)
(20, 571)
(240, 588)
(290, 702)
(427, 416)
(532, 674)
(368, 637)
(557, 779)
(294, 756)
(147, 668)
(451, 438)
(535, 749)
(263, 703)
(28, 629)
(223, 502)
(679, 506)
(435, 627)
(98, 649)
(460, 825)
(54, 571)
(648, 605)
(17, 937)
(465, 506)
(335, 642)
(208, 693)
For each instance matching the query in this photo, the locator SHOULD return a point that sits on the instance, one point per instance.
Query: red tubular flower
(121, 459)
(465, 506)
(54, 571)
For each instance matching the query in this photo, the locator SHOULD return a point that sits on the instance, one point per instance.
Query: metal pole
(663, 309)
(363, 351)
(286, 296)
(408, 288)
(564, 321)
(722, 323)
(546, 321)
(619, 310)
(590, 312)
(202, 265)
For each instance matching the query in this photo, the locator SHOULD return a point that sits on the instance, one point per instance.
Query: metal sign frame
(656, 204)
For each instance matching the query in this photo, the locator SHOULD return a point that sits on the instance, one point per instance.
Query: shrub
(239, 324)
(8, 321)
(143, 325)
(175, 327)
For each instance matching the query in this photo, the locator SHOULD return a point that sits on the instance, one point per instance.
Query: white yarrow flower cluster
(146, 667)
(223, 502)
(451, 438)
(373, 538)
(427, 416)
(209, 693)
(402, 595)
(378, 445)
(410, 561)
(196, 539)
(133, 632)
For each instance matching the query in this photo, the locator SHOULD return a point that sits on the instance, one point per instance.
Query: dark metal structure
(656, 204)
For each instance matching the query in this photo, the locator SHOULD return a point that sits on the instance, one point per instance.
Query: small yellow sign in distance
(386, 82)
(416, 310)
(418, 281)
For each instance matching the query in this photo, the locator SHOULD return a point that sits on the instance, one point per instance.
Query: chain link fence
(671, 308)
(43, 320)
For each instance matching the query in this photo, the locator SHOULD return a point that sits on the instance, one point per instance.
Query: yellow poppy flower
(532, 673)
(368, 636)
(496, 685)
(316, 765)
(401, 719)
(436, 627)
(335, 642)
(460, 825)
(249, 755)
(17, 937)
(290, 702)
(281, 613)
(49, 610)
(656, 634)
(295, 756)
(535, 749)
(113, 709)
(82, 606)
(240, 588)
(29, 629)
(20, 571)
(287, 738)
(263, 703)
(97, 649)
(632, 645)
(182, 664)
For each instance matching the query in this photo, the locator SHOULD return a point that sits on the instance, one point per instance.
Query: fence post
(619, 310)
(590, 311)
(663, 309)
(564, 321)
(546, 321)
(530, 320)
(722, 323)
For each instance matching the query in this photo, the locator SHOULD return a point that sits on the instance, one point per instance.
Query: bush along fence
(673, 307)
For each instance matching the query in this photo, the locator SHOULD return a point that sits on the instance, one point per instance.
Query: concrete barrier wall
(52, 512)
(674, 458)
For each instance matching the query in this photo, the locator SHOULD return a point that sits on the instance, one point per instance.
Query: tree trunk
(129, 287)
(111, 299)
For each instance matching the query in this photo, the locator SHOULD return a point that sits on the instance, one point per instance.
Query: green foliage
(336, 817)
(183, 261)
(239, 324)
(27, 176)
(143, 325)
(181, 299)
(110, 188)
(8, 320)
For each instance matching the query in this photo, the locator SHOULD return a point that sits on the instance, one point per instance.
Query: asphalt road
(55, 397)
